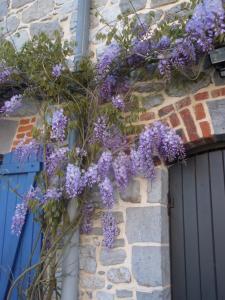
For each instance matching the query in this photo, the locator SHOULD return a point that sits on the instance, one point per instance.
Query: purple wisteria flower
(25, 150)
(104, 164)
(110, 229)
(106, 192)
(52, 194)
(5, 74)
(108, 87)
(18, 219)
(122, 168)
(163, 43)
(11, 105)
(90, 177)
(59, 124)
(56, 160)
(73, 175)
(57, 70)
(118, 102)
(110, 54)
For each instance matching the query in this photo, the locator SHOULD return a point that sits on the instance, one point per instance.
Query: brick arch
(198, 118)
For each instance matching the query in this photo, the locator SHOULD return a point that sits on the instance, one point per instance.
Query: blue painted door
(16, 253)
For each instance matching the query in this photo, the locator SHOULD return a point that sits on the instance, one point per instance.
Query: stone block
(29, 106)
(98, 3)
(126, 6)
(88, 259)
(149, 86)
(48, 28)
(110, 13)
(158, 187)
(119, 243)
(112, 257)
(119, 275)
(38, 10)
(150, 265)
(124, 294)
(156, 295)
(20, 38)
(104, 296)
(132, 192)
(7, 132)
(19, 3)
(147, 224)
(217, 79)
(150, 101)
(180, 10)
(217, 113)
(10, 25)
(157, 3)
(3, 8)
(91, 282)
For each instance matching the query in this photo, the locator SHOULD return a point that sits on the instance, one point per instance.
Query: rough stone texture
(217, 113)
(124, 294)
(119, 243)
(150, 265)
(98, 3)
(157, 3)
(138, 4)
(112, 257)
(20, 38)
(49, 28)
(119, 275)
(157, 295)
(145, 17)
(147, 224)
(29, 107)
(179, 10)
(10, 25)
(104, 296)
(19, 3)
(149, 86)
(183, 86)
(150, 101)
(3, 8)
(7, 132)
(92, 282)
(39, 9)
(132, 192)
(158, 188)
(88, 259)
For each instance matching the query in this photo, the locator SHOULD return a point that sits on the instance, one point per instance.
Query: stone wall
(22, 19)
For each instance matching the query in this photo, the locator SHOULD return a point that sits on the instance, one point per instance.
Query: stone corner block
(132, 192)
(147, 224)
(158, 187)
(156, 295)
(217, 112)
(151, 265)
(112, 257)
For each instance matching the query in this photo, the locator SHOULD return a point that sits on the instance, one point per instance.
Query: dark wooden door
(197, 227)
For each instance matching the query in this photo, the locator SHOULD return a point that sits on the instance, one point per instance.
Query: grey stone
(20, 38)
(92, 282)
(38, 10)
(217, 113)
(12, 23)
(156, 295)
(96, 231)
(118, 215)
(150, 101)
(110, 13)
(48, 28)
(104, 296)
(3, 8)
(217, 79)
(19, 3)
(182, 86)
(132, 192)
(112, 257)
(150, 265)
(149, 19)
(119, 275)
(66, 8)
(147, 224)
(109, 286)
(149, 86)
(124, 294)
(7, 132)
(119, 243)
(158, 187)
(180, 10)
(138, 4)
(157, 3)
(88, 259)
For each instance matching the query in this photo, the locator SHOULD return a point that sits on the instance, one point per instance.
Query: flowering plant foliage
(93, 102)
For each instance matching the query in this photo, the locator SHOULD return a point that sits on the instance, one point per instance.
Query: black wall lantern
(217, 57)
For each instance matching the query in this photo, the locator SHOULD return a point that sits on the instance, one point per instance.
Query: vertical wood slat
(208, 279)
(218, 211)
(193, 284)
(178, 252)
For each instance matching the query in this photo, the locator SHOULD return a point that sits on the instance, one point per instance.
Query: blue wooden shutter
(16, 252)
